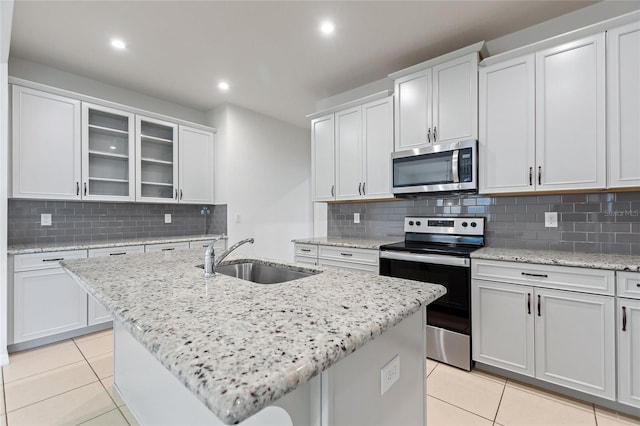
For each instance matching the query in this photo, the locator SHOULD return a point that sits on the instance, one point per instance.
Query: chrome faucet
(211, 261)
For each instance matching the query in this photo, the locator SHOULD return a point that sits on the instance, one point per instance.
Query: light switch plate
(167, 218)
(389, 374)
(551, 219)
(45, 219)
(356, 218)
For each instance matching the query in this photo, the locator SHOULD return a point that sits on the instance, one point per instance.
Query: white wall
(263, 171)
(32, 71)
(6, 14)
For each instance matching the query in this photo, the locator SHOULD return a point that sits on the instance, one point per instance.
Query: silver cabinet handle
(530, 176)
(435, 130)
(539, 175)
(360, 188)
(429, 135)
(363, 190)
(57, 259)
(333, 192)
(535, 275)
(77, 188)
(624, 318)
(176, 196)
(181, 194)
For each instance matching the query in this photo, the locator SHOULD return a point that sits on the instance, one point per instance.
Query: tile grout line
(102, 384)
(460, 408)
(504, 388)
(595, 416)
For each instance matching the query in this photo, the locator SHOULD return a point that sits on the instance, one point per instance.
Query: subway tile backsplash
(604, 222)
(76, 221)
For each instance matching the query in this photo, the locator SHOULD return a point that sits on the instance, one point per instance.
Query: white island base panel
(347, 393)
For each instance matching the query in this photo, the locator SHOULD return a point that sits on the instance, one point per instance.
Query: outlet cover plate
(356, 218)
(551, 219)
(45, 219)
(167, 218)
(389, 374)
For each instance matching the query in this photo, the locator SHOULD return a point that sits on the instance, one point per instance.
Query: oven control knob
(464, 224)
(418, 223)
(473, 224)
(410, 223)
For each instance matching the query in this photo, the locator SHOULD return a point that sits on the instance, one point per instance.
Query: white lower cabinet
(152, 248)
(628, 337)
(555, 335)
(305, 253)
(349, 258)
(46, 300)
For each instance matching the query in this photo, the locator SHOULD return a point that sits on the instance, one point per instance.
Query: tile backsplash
(76, 221)
(604, 222)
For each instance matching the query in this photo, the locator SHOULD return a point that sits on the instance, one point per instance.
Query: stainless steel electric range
(438, 250)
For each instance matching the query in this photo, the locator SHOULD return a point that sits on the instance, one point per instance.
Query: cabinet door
(46, 302)
(108, 152)
(570, 115)
(507, 127)
(156, 161)
(196, 166)
(623, 105)
(377, 137)
(628, 351)
(575, 341)
(503, 323)
(455, 99)
(413, 110)
(46, 145)
(348, 130)
(322, 158)
(153, 248)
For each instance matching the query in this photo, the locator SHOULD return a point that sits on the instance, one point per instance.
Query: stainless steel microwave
(445, 167)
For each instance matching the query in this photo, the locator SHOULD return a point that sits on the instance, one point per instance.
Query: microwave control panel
(465, 165)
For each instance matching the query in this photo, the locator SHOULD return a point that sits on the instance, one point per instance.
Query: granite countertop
(362, 243)
(44, 248)
(237, 345)
(618, 262)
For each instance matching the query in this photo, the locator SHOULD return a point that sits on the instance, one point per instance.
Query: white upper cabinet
(623, 106)
(437, 104)
(348, 132)
(507, 126)
(196, 155)
(570, 115)
(46, 145)
(413, 110)
(323, 158)
(157, 160)
(377, 137)
(108, 150)
(455, 99)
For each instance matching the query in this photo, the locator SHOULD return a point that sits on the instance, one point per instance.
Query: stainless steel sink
(261, 273)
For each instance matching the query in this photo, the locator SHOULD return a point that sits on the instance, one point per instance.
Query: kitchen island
(241, 348)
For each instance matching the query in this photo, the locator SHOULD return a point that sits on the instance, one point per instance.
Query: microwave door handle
(454, 166)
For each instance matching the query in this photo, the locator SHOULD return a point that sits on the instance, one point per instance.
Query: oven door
(451, 311)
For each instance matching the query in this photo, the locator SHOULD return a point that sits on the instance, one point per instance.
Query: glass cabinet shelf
(153, 160)
(147, 138)
(157, 152)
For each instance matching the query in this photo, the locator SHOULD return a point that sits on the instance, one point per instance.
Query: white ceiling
(271, 53)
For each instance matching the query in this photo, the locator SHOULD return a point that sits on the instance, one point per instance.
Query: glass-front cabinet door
(157, 160)
(107, 154)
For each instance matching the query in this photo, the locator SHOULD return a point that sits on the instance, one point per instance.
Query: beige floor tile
(72, 407)
(34, 361)
(108, 384)
(431, 364)
(485, 375)
(127, 414)
(471, 392)
(29, 390)
(2, 408)
(525, 405)
(102, 365)
(96, 335)
(3, 420)
(440, 413)
(607, 417)
(97, 346)
(112, 418)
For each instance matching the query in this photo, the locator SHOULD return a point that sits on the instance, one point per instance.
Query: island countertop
(237, 345)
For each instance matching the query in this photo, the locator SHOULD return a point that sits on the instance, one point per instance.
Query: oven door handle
(426, 258)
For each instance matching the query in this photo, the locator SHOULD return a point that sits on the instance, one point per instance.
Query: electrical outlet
(356, 218)
(551, 219)
(389, 374)
(167, 218)
(204, 210)
(45, 219)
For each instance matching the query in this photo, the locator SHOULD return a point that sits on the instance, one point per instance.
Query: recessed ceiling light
(223, 85)
(119, 44)
(327, 27)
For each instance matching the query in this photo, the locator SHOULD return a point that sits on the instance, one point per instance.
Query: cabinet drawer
(351, 255)
(219, 245)
(597, 281)
(115, 251)
(306, 260)
(628, 284)
(34, 261)
(308, 250)
(348, 265)
(152, 248)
